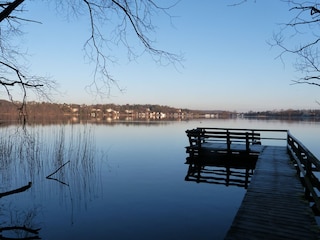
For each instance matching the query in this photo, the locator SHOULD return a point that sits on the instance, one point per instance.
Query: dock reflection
(225, 169)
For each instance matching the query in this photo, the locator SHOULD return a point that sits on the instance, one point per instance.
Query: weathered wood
(306, 165)
(274, 206)
(232, 140)
(230, 135)
(296, 145)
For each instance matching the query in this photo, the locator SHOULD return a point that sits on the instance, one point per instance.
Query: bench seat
(210, 146)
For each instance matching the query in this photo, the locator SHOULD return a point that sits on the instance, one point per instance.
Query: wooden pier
(277, 204)
(274, 206)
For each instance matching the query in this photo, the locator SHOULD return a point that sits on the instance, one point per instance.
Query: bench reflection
(225, 169)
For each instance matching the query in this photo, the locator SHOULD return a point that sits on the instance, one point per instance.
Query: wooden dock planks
(274, 206)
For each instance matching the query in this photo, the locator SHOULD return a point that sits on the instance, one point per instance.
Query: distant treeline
(46, 111)
(285, 114)
(9, 110)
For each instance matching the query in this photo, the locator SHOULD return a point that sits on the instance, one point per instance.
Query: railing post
(228, 141)
(308, 166)
(247, 142)
(199, 134)
(252, 136)
(288, 142)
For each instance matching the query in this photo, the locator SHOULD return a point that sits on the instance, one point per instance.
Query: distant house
(95, 112)
(75, 109)
(129, 111)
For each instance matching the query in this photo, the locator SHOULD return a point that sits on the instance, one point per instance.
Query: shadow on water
(18, 224)
(55, 162)
(221, 168)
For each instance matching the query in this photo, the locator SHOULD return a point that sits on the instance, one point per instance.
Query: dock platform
(283, 196)
(274, 206)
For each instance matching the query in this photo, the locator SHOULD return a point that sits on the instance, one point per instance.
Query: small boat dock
(282, 195)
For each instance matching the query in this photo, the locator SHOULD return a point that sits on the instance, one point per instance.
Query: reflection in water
(41, 155)
(221, 168)
(139, 192)
(17, 224)
(18, 190)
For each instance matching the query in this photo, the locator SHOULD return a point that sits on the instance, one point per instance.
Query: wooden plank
(274, 206)
(245, 129)
(231, 134)
(215, 146)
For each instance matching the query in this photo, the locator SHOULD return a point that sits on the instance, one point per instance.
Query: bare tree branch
(10, 7)
(132, 15)
(300, 37)
(289, 39)
(124, 17)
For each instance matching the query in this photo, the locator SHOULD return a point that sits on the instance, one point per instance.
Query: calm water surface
(121, 181)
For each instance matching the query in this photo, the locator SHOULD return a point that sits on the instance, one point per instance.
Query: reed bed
(66, 154)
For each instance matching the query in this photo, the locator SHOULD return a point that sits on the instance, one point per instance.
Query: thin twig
(57, 169)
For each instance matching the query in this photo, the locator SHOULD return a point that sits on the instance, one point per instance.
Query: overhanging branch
(9, 9)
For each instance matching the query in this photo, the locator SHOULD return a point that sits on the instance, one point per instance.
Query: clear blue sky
(228, 63)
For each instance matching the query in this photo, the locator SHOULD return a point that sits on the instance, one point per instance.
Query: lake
(122, 180)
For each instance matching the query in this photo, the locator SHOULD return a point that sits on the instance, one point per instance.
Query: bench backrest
(226, 135)
(198, 136)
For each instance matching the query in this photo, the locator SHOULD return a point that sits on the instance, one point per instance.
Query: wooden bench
(216, 139)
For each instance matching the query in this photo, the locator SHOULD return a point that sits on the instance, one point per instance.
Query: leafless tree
(132, 16)
(13, 73)
(299, 37)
